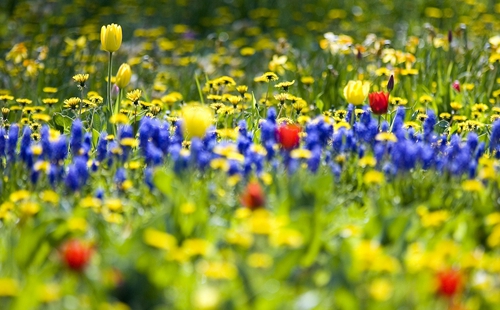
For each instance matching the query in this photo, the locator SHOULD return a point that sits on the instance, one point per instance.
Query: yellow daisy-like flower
(386, 136)
(80, 79)
(118, 119)
(72, 103)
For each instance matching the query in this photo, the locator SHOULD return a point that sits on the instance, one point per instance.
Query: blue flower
(125, 131)
(102, 147)
(472, 141)
(12, 142)
(76, 137)
(3, 142)
(120, 176)
(495, 137)
(45, 141)
(25, 143)
(71, 180)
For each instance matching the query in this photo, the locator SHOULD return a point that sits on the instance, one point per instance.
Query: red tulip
(288, 136)
(449, 282)
(76, 254)
(253, 197)
(379, 102)
(456, 85)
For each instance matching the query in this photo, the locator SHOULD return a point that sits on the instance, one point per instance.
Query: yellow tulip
(111, 37)
(196, 120)
(123, 76)
(356, 92)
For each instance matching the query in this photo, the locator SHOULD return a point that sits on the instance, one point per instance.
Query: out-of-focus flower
(253, 197)
(379, 102)
(456, 85)
(111, 37)
(449, 282)
(355, 92)
(196, 120)
(76, 254)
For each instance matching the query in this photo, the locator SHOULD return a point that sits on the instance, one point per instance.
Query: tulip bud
(390, 84)
(123, 76)
(456, 85)
(111, 37)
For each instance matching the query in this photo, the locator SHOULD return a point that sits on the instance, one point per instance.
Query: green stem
(110, 108)
(81, 103)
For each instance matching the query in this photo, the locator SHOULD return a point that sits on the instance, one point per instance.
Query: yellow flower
(196, 120)
(373, 177)
(260, 260)
(355, 92)
(8, 287)
(194, 247)
(218, 270)
(381, 289)
(118, 119)
(159, 239)
(77, 223)
(386, 136)
(241, 238)
(472, 186)
(111, 37)
(432, 219)
(367, 161)
(19, 195)
(123, 76)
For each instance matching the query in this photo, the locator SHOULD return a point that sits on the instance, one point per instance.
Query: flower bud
(123, 76)
(111, 37)
(390, 84)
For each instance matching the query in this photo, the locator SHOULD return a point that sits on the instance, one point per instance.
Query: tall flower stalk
(111, 40)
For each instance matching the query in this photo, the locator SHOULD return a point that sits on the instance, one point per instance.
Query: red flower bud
(379, 102)
(253, 197)
(449, 282)
(76, 254)
(456, 85)
(288, 136)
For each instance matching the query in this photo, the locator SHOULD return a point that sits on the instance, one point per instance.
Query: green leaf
(95, 137)
(63, 121)
(320, 104)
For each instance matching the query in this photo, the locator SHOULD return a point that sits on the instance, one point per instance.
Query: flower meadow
(250, 154)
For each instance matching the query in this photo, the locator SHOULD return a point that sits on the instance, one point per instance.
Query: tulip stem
(379, 120)
(110, 108)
